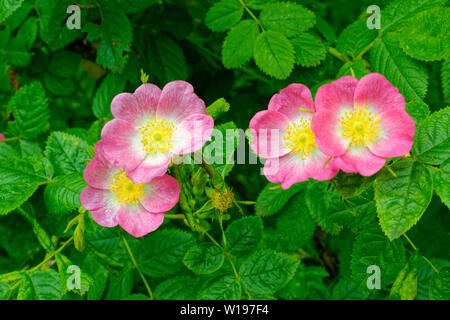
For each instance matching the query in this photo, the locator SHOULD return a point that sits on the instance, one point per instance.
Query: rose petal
(290, 99)
(137, 221)
(192, 134)
(161, 194)
(179, 101)
(360, 159)
(154, 165)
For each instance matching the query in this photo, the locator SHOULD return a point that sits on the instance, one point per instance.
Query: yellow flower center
(360, 125)
(300, 138)
(124, 190)
(157, 135)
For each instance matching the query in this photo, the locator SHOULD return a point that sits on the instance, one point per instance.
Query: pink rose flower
(361, 123)
(283, 135)
(151, 125)
(2, 137)
(113, 199)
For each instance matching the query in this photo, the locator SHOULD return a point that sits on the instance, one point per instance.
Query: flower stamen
(360, 125)
(124, 190)
(300, 138)
(157, 135)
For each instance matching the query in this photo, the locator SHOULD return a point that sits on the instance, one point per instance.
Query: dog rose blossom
(114, 199)
(151, 125)
(361, 123)
(283, 135)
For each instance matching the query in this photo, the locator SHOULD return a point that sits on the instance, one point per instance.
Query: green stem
(244, 5)
(391, 171)
(10, 139)
(51, 255)
(337, 54)
(359, 56)
(127, 246)
(174, 216)
(424, 258)
(227, 255)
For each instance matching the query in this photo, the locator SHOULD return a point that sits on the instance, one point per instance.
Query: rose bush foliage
(364, 169)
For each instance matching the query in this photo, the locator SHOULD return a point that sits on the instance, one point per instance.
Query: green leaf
(408, 76)
(177, 288)
(237, 47)
(352, 184)
(295, 227)
(221, 151)
(371, 247)
(287, 18)
(402, 200)
(405, 285)
(307, 283)
(267, 271)
(64, 63)
(67, 153)
(345, 289)
(398, 12)
(18, 181)
(63, 193)
(4, 291)
(30, 108)
(66, 276)
(440, 285)
(161, 253)
(273, 198)
(243, 235)
(355, 38)
(166, 59)
(309, 50)
(446, 79)
(59, 86)
(426, 36)
(111, 85)
(204, 258)
(223, 288)
(223, 15)
(418, 111)
(432, 138)
(441, 185)
(53, 28)
(7, 7)
(120, 286)
(117, 34)
(40, 285)
(274, 54)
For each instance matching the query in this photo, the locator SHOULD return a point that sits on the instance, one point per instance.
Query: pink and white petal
(377, 93)
(93, 199)
(137, 221)
(121, 144)
(291, 169)
(396, 135)
(106, 216)
(99, 172)
(326, 125)
(290, 99)
(154, 165)
(336, 95)
(361, 160)
(161, 194)
(267, 128)
(192, 134)
(138, 107)
(179, 101)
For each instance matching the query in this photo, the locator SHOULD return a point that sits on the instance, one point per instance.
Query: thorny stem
(227, 255)
(130, 253)
(244, 5)
(424, 258)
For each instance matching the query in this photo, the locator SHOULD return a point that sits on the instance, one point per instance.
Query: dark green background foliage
(313, 241)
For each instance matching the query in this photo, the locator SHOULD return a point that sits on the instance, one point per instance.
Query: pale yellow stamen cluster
(157, 135)
(124, 190)
(360, 125)
(300, 138)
